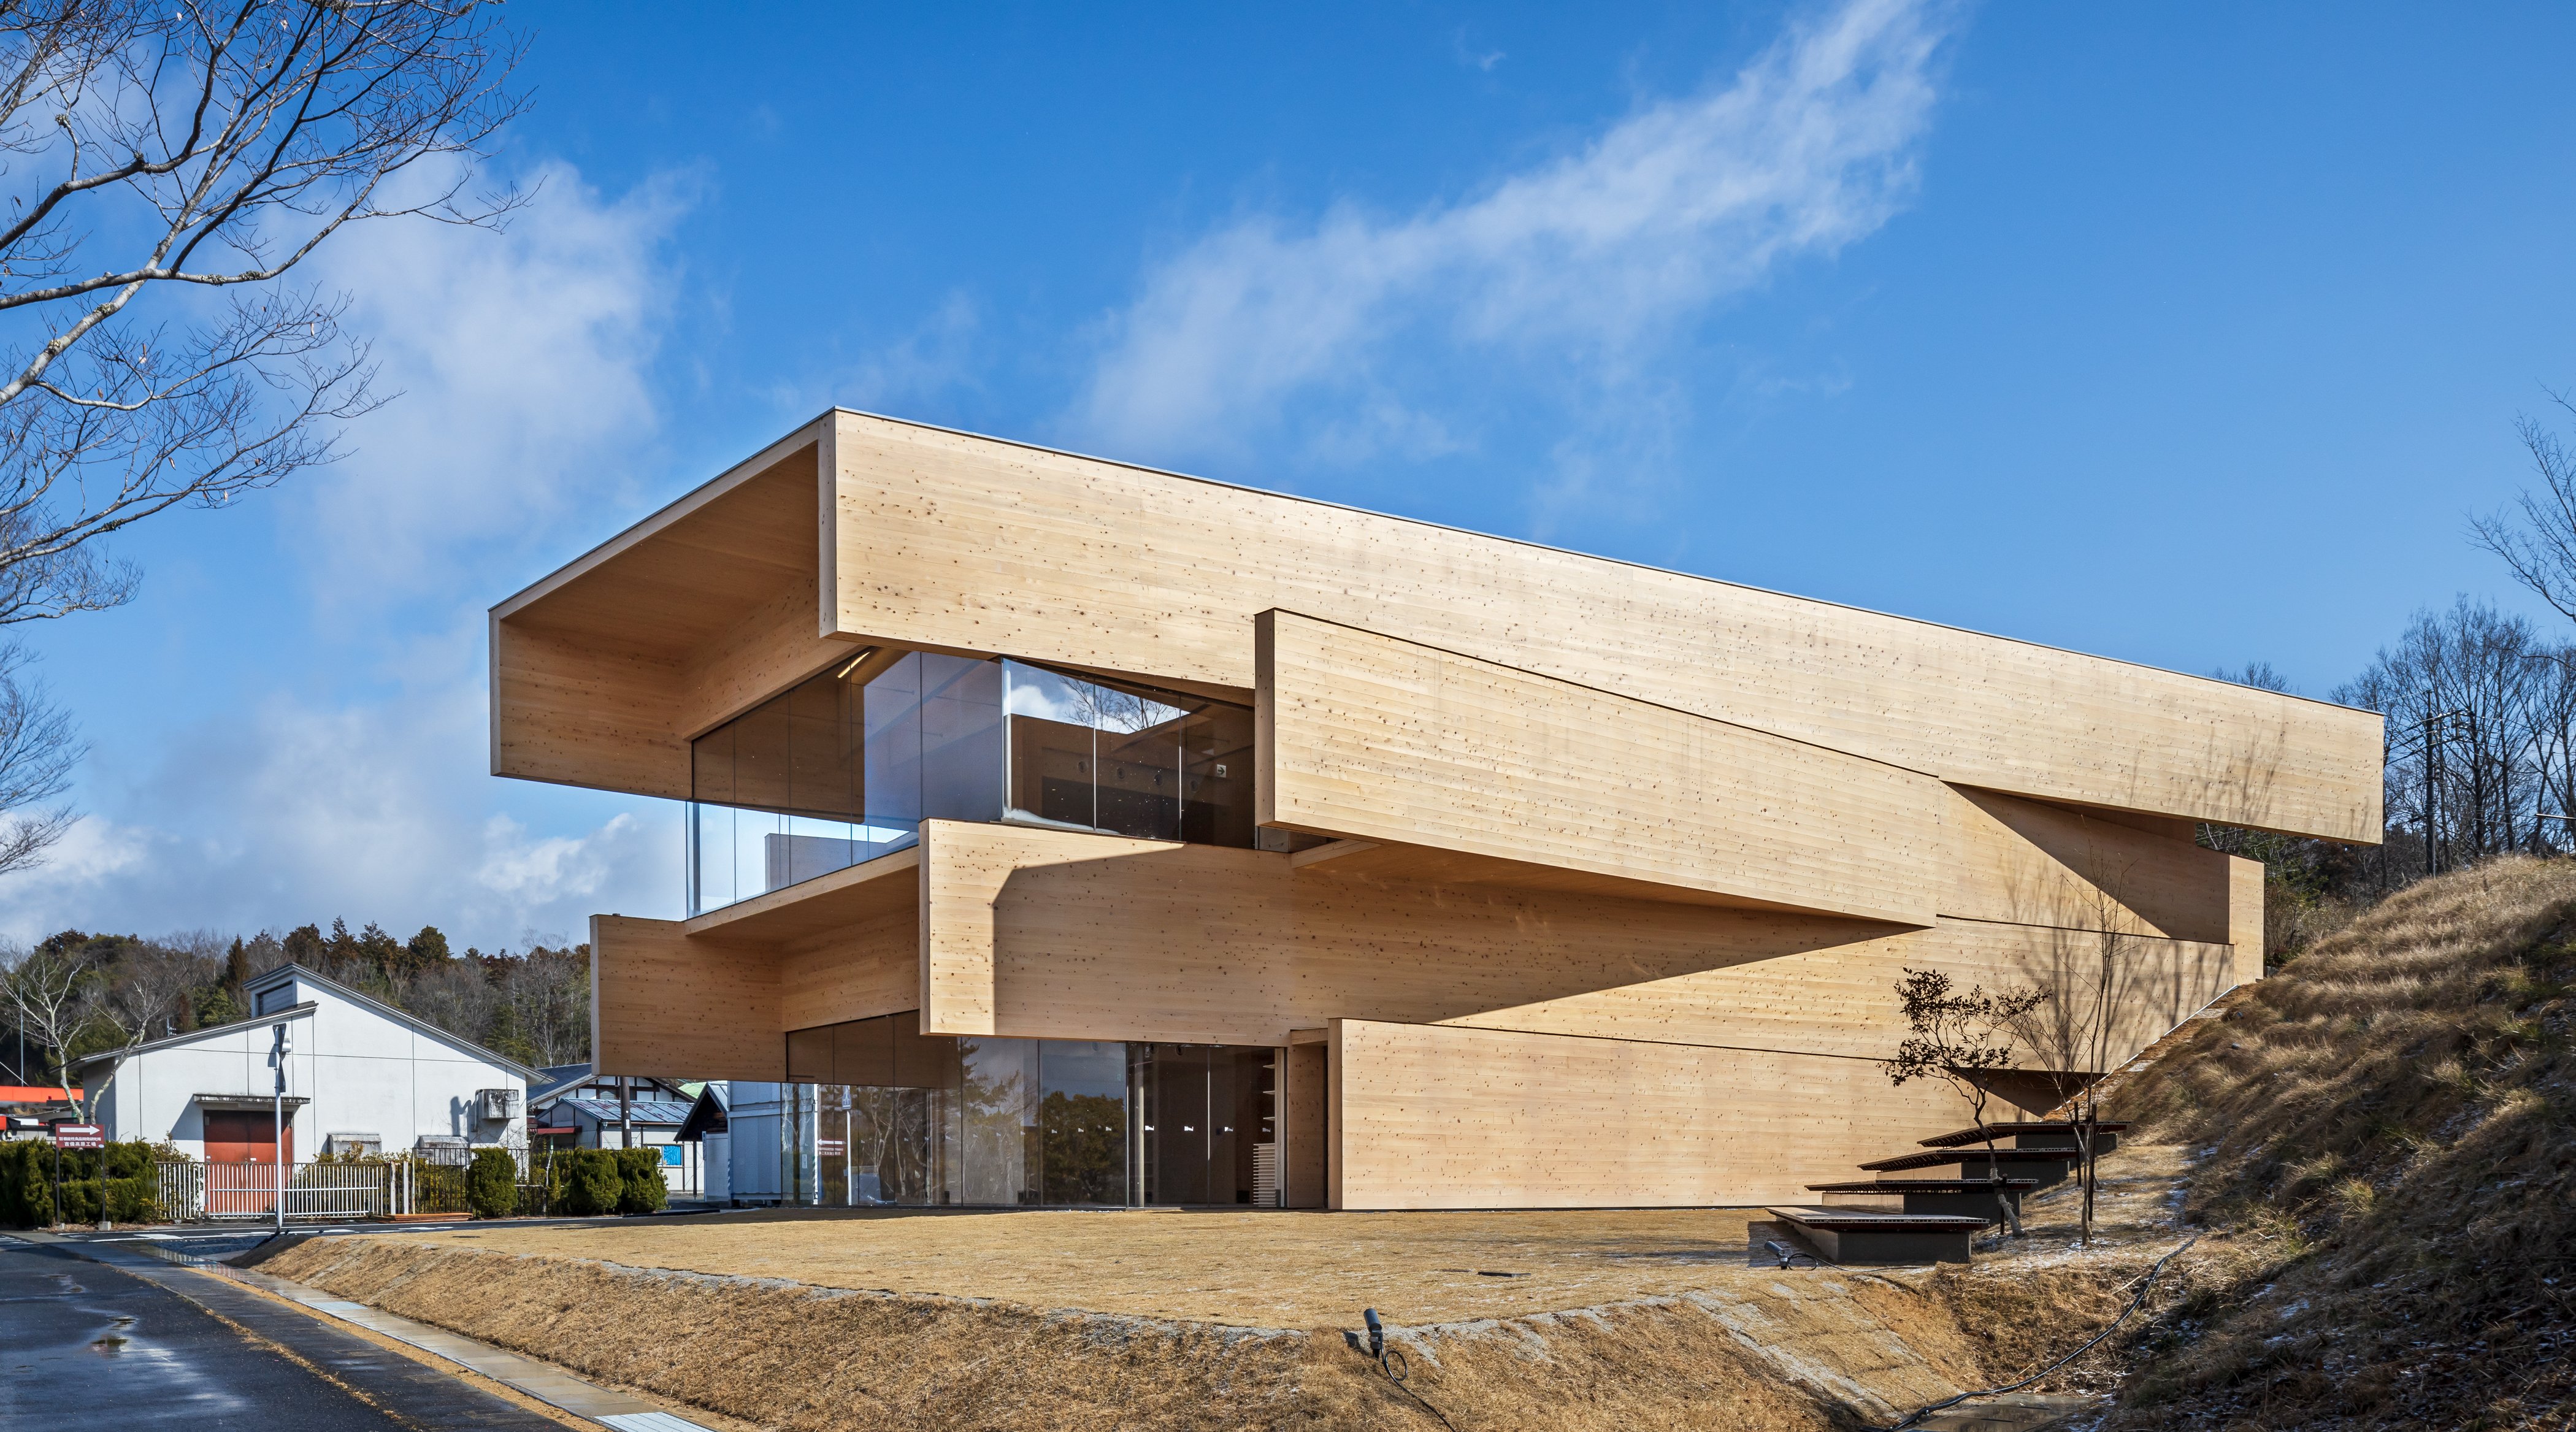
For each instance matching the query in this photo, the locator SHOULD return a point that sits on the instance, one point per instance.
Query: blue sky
(2188, 336)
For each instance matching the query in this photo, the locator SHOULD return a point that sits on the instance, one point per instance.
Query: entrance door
(241, 1161)
(238, 1136)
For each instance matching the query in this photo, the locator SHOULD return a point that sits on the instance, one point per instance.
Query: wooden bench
(1972, 1198)
(1868, 1236)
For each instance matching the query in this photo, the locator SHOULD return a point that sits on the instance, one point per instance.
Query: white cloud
(1804, 150)
(361, 787)
(375, 811)
(522, 361)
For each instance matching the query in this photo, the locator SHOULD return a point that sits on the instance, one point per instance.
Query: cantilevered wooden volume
(1370, 737)
(1203, 843)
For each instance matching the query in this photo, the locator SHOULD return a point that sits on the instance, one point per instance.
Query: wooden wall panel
(662, 1004)
(583, 716)
(1840, 1001)
(1059, 934)
(1369, 737)
(2025, 863)
(866, 970)
(1479, 1118)
(773, 646)
(1305, 1126)
(942, 539)
(602, 671)
(1054, 934)
(2245, 916)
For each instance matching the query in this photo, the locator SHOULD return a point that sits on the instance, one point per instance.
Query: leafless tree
(167, 167)
(2463, 691)
(48, 992)
(137, 995)
(38, 749)
(2537, 536)
(1961, 1040)
(2093, 982)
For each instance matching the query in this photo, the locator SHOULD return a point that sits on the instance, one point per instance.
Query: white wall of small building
(362, 1073)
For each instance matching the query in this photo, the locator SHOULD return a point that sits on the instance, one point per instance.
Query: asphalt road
(136, 1343)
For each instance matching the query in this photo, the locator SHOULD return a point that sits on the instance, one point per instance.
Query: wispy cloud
(1599, 254)
(522, 361)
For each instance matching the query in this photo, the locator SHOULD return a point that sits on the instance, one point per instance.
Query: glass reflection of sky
(1034, 691)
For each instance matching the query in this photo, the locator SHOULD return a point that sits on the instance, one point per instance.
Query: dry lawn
(1737, 1350)
(1254, 1270)
(1043, 1320)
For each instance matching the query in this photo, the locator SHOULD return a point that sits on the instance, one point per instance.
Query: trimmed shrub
(592, 1184)
(642, 1189)
(492, 1184)
(27, 1184)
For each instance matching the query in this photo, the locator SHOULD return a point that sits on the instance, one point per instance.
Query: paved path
(135, 1345)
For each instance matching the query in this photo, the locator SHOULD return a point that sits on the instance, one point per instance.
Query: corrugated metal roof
(642, 1111)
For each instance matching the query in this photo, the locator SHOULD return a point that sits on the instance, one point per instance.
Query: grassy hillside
(2385, 1127)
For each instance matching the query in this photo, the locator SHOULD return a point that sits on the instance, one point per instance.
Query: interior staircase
(1932, 1219)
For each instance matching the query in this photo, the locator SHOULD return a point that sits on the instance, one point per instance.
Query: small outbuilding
(361, 1076)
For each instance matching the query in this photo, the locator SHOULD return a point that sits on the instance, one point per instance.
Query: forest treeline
(2481, 710)
(74, 994)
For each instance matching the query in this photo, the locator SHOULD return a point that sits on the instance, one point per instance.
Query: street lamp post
(279, 1046)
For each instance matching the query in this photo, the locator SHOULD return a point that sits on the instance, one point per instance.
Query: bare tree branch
(196, 147)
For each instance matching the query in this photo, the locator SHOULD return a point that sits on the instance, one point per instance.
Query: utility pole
(2431, 726)
(625, 1112)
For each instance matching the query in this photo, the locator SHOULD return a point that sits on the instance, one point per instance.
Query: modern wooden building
(1062, 831)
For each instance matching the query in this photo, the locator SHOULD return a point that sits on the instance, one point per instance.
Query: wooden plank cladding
(2024, 863)
(602, 671)
(1052, 934)
(1371, 737)
(965, 543)
(660, 1002)
(1479, 1118)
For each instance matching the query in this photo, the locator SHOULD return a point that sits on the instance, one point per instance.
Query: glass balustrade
(844, 767)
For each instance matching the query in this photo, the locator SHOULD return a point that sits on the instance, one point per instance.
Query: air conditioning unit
(496, 1106)
(444, 1149)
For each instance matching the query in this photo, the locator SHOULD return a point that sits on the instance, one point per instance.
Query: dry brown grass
(1745, 1350)
(2384, 1135)
(1247, 1269)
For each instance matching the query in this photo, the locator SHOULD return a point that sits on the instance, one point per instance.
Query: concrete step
(1868, 1236)
(2029, 1134)
(2044, 1167)
(1972, 1198)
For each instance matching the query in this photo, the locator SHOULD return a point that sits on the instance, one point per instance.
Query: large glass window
(846, 766)
(879, 1114)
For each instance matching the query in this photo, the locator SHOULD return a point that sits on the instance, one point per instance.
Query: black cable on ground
(2145, 1284)
(1392, 1362)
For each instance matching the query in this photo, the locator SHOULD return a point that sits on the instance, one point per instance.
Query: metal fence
(194, 1191)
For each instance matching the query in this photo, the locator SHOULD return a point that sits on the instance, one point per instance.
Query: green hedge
(642, 1189)
(492, 1183)
(592, 1185)
(597, 1181)
(27, 1184)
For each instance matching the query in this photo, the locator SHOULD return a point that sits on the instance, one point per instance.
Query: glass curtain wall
(882, 1116)
(844, 767)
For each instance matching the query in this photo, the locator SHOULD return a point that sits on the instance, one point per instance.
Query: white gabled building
(359, 1073)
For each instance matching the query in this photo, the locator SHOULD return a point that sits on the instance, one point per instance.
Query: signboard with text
(79, 1136)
